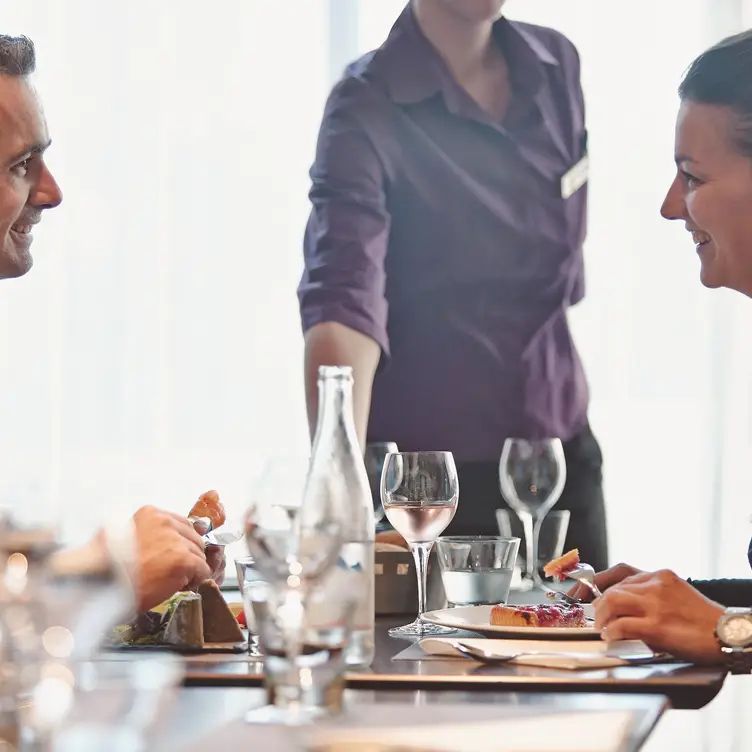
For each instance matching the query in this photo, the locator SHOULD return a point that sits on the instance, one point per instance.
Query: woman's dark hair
(722, 76)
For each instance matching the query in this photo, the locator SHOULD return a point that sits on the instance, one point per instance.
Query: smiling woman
(712, 190)
(712, 194)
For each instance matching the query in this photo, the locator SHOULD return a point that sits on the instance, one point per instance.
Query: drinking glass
(293, 544)
(532, 474)
(476, 569)
(308, 686)
(253, 590)
(120, 706)
(419, 491)
(375, 454)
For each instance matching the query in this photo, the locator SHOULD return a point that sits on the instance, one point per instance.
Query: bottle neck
(335, 406)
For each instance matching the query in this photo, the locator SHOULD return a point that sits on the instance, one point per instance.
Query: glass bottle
(337, 468)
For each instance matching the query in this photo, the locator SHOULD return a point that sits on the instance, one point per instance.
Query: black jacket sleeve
(729, 593)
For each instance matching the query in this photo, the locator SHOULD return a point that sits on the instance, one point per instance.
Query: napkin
(563, 654)
(597, 731)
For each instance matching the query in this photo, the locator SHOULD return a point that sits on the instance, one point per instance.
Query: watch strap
(738, 661)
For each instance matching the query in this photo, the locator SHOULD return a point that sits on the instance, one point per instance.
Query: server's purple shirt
(445, 237)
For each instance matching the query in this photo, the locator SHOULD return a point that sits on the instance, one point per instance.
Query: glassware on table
(120, 706)
(254, 590)
(419, 491)
(57, 609)
(552, 535)
(476, 570)
(374, 457)
(532, 474)
(293, 544)
(338, 473)
(310, 685)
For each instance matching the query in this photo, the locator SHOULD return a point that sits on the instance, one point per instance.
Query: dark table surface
(203, 718)
(686, 686)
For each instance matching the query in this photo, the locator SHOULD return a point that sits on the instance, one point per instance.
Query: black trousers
(480, 497)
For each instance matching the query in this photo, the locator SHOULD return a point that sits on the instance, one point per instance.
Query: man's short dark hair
(17, 56)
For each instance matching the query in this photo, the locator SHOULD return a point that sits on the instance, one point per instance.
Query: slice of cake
(558, 568)
(540, 615)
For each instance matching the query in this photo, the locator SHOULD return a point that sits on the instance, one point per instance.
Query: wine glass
(419, 491)
(294, 537)
(374, 457)
(532, 474)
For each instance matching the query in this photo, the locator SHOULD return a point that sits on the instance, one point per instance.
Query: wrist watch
(734, 635)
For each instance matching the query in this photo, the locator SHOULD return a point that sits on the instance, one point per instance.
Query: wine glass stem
(531, 547)
(538, 521)
(421, 552)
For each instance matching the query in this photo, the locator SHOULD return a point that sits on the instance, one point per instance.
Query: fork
(556, 595)
(585, 574)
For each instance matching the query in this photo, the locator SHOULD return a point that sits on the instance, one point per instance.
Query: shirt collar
(412, 70)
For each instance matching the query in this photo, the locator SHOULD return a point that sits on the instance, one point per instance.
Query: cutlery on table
(585, 574)
(484, 656)
(556, 595)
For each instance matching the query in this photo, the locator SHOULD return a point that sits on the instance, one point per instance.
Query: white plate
(478, 619)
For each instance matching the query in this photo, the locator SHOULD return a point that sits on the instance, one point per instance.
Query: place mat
(435, 728)
(559, 654)
(548, 654)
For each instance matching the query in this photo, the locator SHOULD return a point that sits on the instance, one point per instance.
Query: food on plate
(187, 619)
(540, 615)
(558, 568)
(209, 505)
(220, 624)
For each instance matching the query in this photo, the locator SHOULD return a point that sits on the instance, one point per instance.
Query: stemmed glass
(419, 491)
(374, 456)
(532, 474)
(293, 545)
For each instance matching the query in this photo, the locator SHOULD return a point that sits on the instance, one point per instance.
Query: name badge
(575, 178)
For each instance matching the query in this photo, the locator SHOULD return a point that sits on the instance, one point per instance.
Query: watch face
(736, 631)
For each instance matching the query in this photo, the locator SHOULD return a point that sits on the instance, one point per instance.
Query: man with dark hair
(169, 552)
(26, 186)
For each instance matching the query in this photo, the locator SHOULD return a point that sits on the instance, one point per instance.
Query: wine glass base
(420, 628)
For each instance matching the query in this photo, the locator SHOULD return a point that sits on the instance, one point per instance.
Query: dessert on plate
(558, 568)
(538, 615)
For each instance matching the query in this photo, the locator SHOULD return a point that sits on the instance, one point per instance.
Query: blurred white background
(155, 350)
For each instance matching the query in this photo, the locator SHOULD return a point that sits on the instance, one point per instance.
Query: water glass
(532, 474)
(254, 591)
(419, 491)
(310, 684)
(476, 569)
(120, 706)
(294, 545)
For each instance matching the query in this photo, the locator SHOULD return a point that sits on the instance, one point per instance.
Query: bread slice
(220, 624)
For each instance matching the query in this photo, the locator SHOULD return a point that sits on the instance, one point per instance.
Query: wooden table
(685, 685)
(212, 718)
